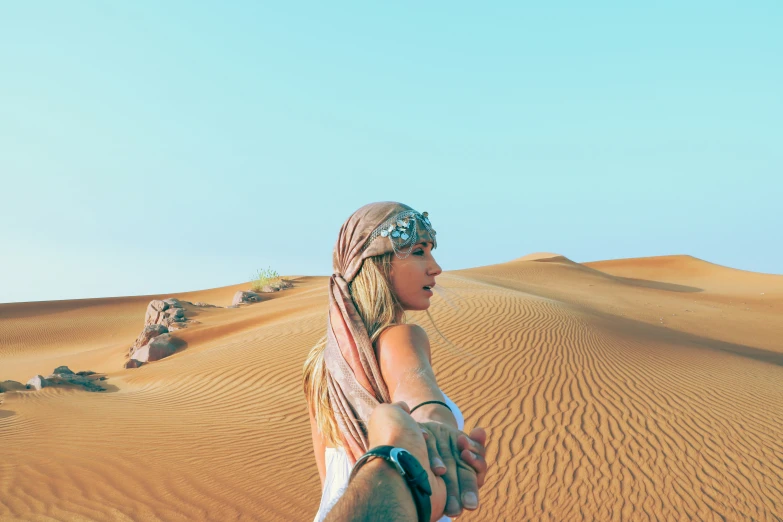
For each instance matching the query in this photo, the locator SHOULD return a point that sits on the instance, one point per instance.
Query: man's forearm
(377, 492)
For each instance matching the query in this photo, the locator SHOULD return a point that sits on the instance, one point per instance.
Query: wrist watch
(410, 469)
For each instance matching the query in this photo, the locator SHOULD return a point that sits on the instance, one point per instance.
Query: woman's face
(413, 278)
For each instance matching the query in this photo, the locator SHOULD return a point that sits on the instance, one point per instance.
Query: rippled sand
(638, 389)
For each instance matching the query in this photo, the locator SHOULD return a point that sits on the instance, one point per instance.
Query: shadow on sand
(633, 328)
(645, 283)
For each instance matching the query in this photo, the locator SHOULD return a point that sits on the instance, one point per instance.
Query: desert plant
(264, 277)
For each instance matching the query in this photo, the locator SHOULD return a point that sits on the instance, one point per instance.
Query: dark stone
(7, 386)
(245, 297)
(64, 379)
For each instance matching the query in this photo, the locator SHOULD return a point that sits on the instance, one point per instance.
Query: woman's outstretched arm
(403, 352)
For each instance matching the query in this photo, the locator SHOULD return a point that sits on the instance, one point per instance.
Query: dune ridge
(638, 389)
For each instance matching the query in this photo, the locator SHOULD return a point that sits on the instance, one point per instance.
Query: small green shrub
(263, 278)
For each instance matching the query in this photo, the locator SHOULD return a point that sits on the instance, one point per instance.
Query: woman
(383, 266)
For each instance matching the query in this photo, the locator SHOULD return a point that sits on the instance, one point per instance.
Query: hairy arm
(378, 492)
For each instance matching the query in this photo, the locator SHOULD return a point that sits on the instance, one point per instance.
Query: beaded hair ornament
(402, 231)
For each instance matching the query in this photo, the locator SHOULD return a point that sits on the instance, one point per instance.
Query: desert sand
(633, 389)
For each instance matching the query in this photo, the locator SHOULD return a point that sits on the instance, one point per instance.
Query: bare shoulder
(403, 340)
(402, 335)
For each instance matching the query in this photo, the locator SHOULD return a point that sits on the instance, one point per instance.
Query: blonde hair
(379, 308)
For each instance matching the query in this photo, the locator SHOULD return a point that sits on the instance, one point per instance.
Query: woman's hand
(460, 461)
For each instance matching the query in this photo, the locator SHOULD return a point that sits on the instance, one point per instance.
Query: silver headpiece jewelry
(402, 231)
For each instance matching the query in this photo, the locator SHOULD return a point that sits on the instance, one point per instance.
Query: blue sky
(151, 147)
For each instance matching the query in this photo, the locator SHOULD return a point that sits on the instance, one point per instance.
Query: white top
(338, 469)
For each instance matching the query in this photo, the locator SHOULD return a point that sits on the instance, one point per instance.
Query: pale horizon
(298, 275)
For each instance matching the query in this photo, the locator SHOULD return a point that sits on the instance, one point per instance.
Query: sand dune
(637, 389)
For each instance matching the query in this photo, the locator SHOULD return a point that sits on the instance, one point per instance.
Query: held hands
(456, 458)
(392, 425)
(459, 460)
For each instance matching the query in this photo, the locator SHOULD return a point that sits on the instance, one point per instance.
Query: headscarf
(354, 377)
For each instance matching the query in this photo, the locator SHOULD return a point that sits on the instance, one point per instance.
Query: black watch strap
(410, 469)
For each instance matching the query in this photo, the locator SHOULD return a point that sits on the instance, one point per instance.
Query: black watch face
(414, 470)
(407, 461)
